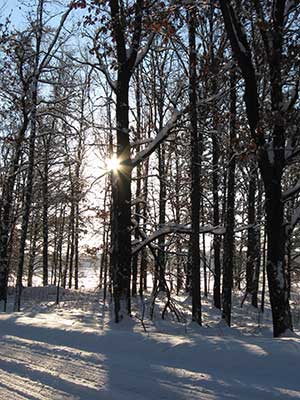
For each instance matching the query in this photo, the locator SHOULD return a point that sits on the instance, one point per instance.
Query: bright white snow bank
(75, 351)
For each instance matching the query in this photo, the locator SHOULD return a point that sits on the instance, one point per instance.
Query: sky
(14, 9)
(17, 10)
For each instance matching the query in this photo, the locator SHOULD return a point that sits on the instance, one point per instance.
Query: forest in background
(199, 104)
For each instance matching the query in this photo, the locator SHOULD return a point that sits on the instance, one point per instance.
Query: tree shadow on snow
(121, 362)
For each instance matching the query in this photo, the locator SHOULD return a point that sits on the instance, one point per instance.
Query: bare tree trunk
(104, 254)
(59, 250)
(138, 183)
(251, 239)
(121, 184)
(263, 291)
(144, 256)
(32, 250)
(45, 208)
(271, 168)
(54, 254)
(216, 222)
(195, 171)
(29, 185)
(179, 268)
(7, 204)
(228, 258)
(204, 260)
(72, 247)
(257, 249)
(67, 259)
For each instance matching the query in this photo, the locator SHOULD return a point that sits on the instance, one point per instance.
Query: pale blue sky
(12, 7)
(18, 11)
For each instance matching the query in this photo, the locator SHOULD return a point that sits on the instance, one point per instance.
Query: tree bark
(271, 167)
(228, 257)
(195, 170)
(121, 182)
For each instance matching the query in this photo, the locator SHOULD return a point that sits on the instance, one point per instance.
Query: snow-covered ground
(75, 351)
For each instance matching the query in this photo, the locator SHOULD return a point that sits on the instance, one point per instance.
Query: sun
(112, 164)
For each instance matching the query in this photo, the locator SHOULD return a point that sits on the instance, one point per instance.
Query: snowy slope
(75, 352)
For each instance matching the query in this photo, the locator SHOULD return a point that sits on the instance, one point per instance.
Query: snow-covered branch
(184, 229)
(165, 230)
(143, 52)
(160, 137)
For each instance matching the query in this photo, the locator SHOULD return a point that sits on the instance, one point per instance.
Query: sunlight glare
(112, 164)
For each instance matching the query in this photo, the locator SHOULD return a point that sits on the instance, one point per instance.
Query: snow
(75, 351)
(143, 51)
(164, 230)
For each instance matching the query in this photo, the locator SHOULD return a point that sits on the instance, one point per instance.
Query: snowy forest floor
(76, 351)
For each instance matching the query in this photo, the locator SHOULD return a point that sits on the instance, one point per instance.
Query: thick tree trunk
(276, 258)
(121, 183)
(121, 193)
